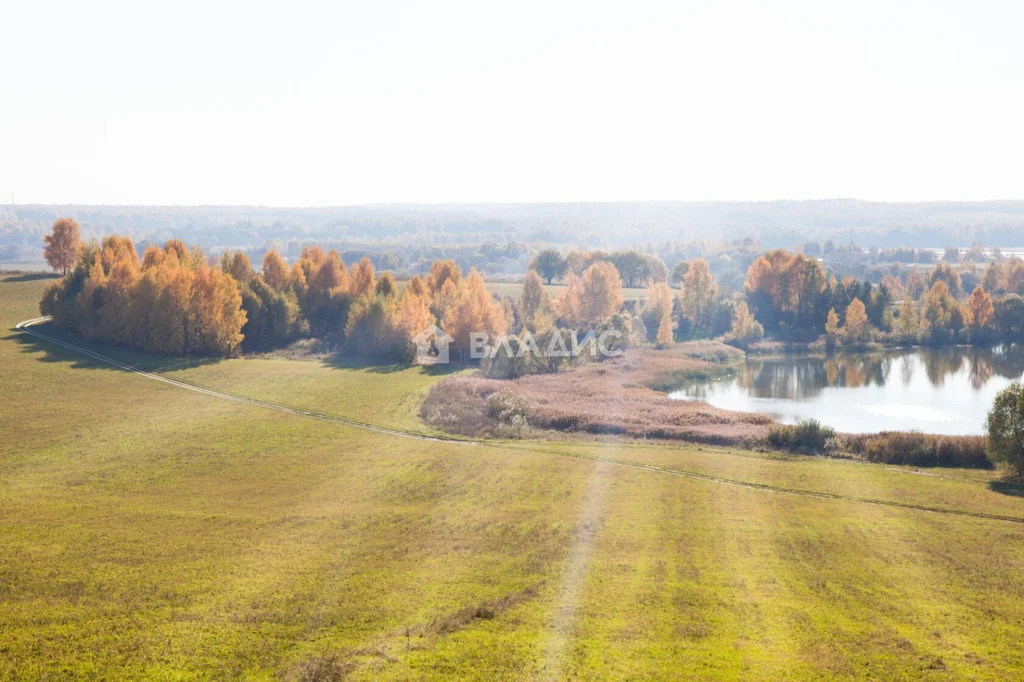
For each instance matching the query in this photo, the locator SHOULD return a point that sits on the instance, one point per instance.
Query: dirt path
(26, 327)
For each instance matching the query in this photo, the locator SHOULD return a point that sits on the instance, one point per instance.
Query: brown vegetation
(617, 396)
(919, 449)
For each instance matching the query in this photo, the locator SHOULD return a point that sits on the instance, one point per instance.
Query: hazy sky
(351, 102)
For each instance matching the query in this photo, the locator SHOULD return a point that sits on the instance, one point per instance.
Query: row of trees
(635, 269)
(170, 302)
(175, 301)
(791, 297)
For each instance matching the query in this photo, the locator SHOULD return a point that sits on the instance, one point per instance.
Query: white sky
(291, 103)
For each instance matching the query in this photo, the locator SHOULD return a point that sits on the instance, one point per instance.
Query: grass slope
(155, 533)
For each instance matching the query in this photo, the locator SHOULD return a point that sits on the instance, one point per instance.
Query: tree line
(794, 299)
(176, 301)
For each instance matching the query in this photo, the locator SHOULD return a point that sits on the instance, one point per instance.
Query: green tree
(550, 264)
(1009, 318)
(945, 273)
(907, 323)
(679, 271)
(1005, 427)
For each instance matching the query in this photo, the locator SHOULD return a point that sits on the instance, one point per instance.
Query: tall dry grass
(614, 396)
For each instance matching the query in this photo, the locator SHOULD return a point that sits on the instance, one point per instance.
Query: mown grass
(155, 533)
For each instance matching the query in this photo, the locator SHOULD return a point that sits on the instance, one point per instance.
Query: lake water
(934, 390)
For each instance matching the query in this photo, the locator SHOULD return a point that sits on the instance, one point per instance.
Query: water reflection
(938, 390)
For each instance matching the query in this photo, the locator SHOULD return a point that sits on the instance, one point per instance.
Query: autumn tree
(535, 304)
(442, 271)
(371, 329)
(942, 314)
(549, 264)
(744, 327)
(785, 290)
(473, 310)
(325, 299)
(907, 322)
(275, 270)
(914, 287)
(62, 245)
(664, 335)
(386, 286)
(413, 313)
(216, 313)
(698, 292)
(855, 323)
(657, 305)
(1015, 277)
(602, 292)
(832, 324)
(237, 265)
(980, 307)
(417, 286)
(362, 279)
(171, 302)
(569, 305)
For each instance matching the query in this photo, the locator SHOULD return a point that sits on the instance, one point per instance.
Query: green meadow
(152, 532)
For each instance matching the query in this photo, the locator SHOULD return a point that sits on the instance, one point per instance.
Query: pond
(934, 390)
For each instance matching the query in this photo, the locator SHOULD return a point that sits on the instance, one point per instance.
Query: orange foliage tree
(275, 270)
(569, 305)
(473, 310)
(602, 292)
(62, 245)
(171, 302)
(980, 309)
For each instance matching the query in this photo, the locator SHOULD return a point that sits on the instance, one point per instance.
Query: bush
(474, 406)
(807, 435)
(506, 407)
(921, 449)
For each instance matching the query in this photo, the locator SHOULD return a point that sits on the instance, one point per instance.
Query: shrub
(921, 449)
(807, 435)
(505, 407)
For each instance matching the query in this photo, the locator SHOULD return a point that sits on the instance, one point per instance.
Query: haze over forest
(591, 225)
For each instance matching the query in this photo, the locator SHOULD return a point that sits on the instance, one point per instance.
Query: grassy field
(150, 532)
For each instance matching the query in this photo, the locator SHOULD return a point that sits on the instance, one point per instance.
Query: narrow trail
(27, 325)
(26, 328)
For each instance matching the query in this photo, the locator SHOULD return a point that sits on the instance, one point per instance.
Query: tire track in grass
(26, 328)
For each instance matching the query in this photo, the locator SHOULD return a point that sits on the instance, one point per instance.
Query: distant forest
(501, 239)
